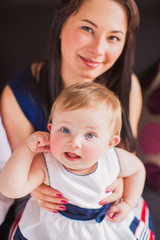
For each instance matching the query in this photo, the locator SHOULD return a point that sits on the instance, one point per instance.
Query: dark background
(24, 30)
(25, 25)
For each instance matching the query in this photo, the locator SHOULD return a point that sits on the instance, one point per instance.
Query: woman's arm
(17, 126)
(135, 104)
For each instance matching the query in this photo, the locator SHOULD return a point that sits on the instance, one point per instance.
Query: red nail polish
(103, 203)
(64, 202)
(62, 208)
(54, 211)
(59, 195)
(108, 191)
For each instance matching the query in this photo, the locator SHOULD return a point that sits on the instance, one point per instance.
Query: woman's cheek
(81, 41)
(117, 52)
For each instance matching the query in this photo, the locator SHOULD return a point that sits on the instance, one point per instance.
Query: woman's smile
(90, 63)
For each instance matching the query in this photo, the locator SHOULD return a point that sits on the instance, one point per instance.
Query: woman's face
(92, 40)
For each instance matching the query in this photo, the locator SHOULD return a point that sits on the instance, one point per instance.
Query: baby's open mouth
(71, 156)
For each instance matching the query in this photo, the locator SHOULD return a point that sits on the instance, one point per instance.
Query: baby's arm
(133, 171)
(25, 169)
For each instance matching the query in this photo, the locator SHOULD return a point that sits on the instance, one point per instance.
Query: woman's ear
(114, 141)
(49, 126)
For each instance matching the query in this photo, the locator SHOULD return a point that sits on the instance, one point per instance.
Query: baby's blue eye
(90, 135)
(65, 130)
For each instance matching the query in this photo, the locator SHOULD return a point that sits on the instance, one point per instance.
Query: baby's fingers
(39, 142)
(118, 212)
(44, 149)
(114, 217)
(43, 138)
(113, 214)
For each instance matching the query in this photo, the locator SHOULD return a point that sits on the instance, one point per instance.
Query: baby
(78, 157)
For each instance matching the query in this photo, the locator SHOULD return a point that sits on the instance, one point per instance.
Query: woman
(89, 41)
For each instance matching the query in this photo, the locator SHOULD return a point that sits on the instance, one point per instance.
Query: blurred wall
(148, 40)
(25, 25)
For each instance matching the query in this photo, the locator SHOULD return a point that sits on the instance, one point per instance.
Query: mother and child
(90, 41)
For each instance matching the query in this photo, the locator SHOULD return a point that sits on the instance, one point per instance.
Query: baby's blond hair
(89, 95)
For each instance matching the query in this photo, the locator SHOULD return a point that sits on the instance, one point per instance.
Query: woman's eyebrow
(118, 31)
(95, 25)
(89, 21)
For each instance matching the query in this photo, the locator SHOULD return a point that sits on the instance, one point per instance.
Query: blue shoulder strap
(25, 92)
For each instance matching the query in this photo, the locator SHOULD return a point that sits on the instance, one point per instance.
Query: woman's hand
(48, 198)
(117, 192)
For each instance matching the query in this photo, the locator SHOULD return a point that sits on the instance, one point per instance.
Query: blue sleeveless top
(24, 89)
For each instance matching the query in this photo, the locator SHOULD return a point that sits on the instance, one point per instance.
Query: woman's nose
(98, 46)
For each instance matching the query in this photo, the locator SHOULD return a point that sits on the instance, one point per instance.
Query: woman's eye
(65, 130)
(114, 38)
(90, 135)
(87, 29)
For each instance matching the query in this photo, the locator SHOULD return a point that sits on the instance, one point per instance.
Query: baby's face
(80, 137)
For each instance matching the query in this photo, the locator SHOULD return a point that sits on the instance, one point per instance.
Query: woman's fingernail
(63, 202)
(62, 208)
(59, 195)
(108, 191)
(54, 211)
(103, 203)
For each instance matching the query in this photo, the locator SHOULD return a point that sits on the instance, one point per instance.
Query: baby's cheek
(96, 151)
(92, 153)
(55, 145)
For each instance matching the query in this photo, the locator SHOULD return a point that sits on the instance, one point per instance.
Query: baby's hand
(39, 142)
(118, 212)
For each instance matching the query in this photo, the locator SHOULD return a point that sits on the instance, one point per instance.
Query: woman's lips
(71, 156)
(90, 63)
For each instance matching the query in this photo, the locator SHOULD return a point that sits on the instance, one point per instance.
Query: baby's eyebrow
(64, 122)
(91, 128)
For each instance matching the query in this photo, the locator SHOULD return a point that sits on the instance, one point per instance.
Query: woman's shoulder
(20, 78)
(22, 87)
(26, 77)
(22, 92)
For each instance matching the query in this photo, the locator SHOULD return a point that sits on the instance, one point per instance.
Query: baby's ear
(49, 126)
(114, 141)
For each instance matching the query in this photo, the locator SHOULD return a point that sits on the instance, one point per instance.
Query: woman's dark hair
(117, 78)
